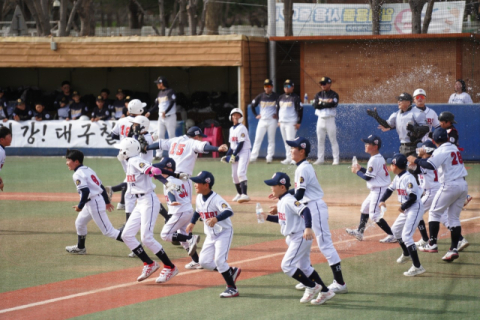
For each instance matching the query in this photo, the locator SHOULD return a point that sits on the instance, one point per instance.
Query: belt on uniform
(410, 144)
(139, 195)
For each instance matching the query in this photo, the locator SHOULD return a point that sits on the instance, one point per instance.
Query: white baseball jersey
(306, 178)
(287, 112)
(238, 134)
(377, 170)
(149, 155)
(268, 105)
(122, 127)
(448, 162)
(459, 98)
(84, 177)
(289, 211)
(138, 182)
(2, 157)
(400, 120)
(211, 208)
(405, 185)
(163, 98)
(181, 196)
(184, 150)
(428, 179)
(431, 119)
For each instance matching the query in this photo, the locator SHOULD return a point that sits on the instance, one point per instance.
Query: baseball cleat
(236, 273)
(451, 255)
(414, 271)
(432, 248)
(109, 193)
(338, 288)
(421, 243)
(286, 161)
(403, 259)
(120, 206)
(355, 233)
(253, 159)
(132, 255)
(462, 244)
(323, 297)
(269, 161)
(148, 270)
(193, 265)
(167, 274)
(467, 201)
(192, 245)
(389, 239)
(236, 197)
(229, 293)
(176, 243)
(310, 293)
(300, 286)
(75, 250)
(319, 162)
(243, 198)
(335, 163)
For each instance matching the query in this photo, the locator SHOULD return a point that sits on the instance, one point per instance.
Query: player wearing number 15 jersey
(450, 197)
(93, 202)
(378, 179)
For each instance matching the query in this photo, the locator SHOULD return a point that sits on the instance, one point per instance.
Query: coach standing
(326, 102)
(290, 113)
(267, 120)
(167, 112)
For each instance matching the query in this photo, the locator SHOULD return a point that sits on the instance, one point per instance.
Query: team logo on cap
(169, 164)
(224, 205)
(19, 100)
(394, 161)
(375, 141)
(303, 145)
(141, 165)
(323, 79)
(297, 204)
(283, 181)
(207, 180)
(410, 185)
(302, 180)
(197, 132)
(77, 182)
(370, 169)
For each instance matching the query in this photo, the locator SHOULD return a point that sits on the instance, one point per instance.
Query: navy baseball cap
(325, 80)
(161, 80)
(428, 145)
(399, 160)
(405, 96)
(204, 177)
(279, 178)
(373, 139)
(301, 143)
(288, 82)
(167, 163)
(99, 98)
(195, 132)
(267, 82)
(440, 135)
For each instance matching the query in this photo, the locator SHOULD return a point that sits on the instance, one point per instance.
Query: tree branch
(144, 14)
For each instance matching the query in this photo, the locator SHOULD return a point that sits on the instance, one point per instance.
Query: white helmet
(84, 118)
(129, 147)
(236, 110)
(143, 122)
(419, 91)
(136, 106)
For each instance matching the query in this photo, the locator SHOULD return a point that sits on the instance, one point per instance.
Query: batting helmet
(136, 106)
(236, 110)
(143, 122)
(447, 117)
(129, 147)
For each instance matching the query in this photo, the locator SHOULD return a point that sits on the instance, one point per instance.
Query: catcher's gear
(236, 110)
(136, 106)
(447, 117)
(416, 132)
(374, 114)
(129, 147)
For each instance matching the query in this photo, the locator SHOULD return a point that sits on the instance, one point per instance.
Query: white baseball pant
(130, 199)
(450, 199)
(215, 250)
(319, 212)
(177, 223)
(370, 204)
(288, 131)
(297, 255)
(95, 209)
(407, 222)
(239, 169)
(327, 126)
(167, 124)
(268, 126)
(143, 218)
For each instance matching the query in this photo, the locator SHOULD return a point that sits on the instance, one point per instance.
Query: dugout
(232, 64)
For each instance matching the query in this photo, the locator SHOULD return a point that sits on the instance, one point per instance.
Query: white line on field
(72, 296)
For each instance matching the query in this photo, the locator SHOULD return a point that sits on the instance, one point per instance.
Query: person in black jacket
(21, 112)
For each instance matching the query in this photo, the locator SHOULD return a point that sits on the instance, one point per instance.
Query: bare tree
(376, 6)
(144, 14)
(42, 18)
(182, 18)
(213, 16)
(87, 18)
(428, 16)
(288, 15)
(161, 9)
(192, 16)
(416, 6)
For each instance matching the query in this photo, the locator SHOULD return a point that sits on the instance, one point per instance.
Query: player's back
(184, 150)
(122, 127)
(306, 178)
(448, 162)
(85, 177)
(181, 196)
(377, 171)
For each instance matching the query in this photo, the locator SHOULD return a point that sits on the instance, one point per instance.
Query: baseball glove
(374, 114)
(416, 132)
(143, 143)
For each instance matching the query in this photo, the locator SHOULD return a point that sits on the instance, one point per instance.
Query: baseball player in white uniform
(325, 104)
(5, 141)
(93, 202)
(308, 190)
(431, 117)
(409, 122)
(290, 114)
(460, 96)
(180, 209)
(295, 222)
(144, 216)
(216, 213)
(238, 155)
(448, 162)
(411, 212)
(378, 179)
(267, 120)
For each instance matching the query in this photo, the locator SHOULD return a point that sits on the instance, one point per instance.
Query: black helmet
(447, 116)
